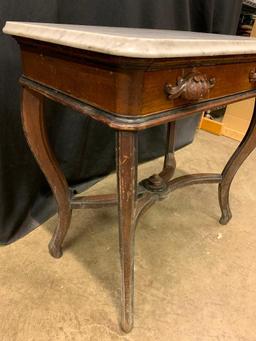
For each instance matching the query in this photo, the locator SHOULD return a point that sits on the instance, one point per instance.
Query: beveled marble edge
(136, 43)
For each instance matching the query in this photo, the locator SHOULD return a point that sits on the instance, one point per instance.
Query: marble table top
(131, 42)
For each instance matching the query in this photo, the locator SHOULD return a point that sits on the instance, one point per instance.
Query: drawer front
(136, 87)
(167, 89)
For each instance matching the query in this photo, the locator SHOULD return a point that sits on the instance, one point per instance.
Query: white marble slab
(132, 42)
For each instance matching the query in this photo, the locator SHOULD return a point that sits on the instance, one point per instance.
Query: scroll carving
(194, 86)
(252, 76)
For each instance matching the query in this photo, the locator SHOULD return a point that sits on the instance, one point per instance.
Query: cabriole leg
(246, 146)
(127, 185)
(36, 135)
(169, 159)
(158, 182)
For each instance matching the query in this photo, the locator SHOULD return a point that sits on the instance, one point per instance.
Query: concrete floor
(195, 279)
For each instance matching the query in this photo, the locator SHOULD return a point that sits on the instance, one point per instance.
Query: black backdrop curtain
(84, 148)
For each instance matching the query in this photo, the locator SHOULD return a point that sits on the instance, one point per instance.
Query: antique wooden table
(131, 79)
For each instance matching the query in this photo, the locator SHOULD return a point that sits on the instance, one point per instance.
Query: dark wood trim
(143, 193)
(137, 122)
(169, 158)
(158, 182)
(193, 179)
(244, 149)
(148, 198)
(135, 86)
(36, 135)
(94, 201)
(127, 163)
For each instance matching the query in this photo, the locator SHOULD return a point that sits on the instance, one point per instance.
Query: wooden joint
(154, 183)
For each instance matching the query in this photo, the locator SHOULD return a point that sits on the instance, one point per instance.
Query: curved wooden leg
(246, 146)
(35, 131)
(158, 182)
(127, 186)
(169, 159)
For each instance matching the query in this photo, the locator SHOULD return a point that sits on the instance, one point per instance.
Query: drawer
(167, 89)
(130, 86)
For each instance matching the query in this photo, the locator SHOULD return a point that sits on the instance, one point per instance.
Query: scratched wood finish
(120, 86)
(94, 201)
(127, 94)
(36, 135)
(126, 151)
(136, 90)
(133, 123)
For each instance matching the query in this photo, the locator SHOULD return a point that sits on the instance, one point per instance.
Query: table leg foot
(55, 245)
(54, 251)
(127, 186)
(226, 217)
(36, 135)
(226, 214)
(126, 326)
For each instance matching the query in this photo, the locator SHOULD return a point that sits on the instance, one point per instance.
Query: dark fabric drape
(84, 148)
(214, 16)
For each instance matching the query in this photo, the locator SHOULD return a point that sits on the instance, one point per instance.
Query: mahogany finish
(132, 122)
(126, 151)
(128, 95)
(36, 134)
(138, 89)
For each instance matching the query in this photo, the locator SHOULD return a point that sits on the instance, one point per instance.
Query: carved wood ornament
(252, 76)
(194, 86)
